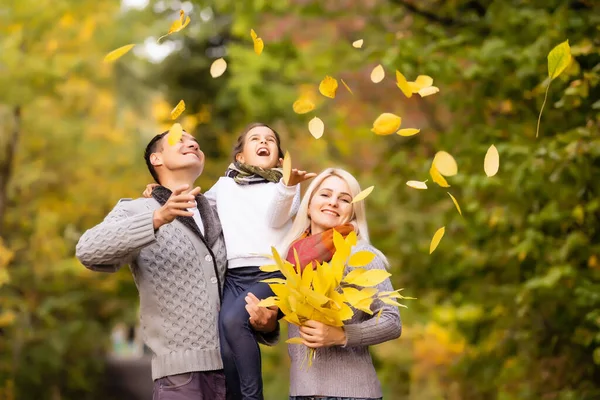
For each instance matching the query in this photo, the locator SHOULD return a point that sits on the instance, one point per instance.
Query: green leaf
(559, 59)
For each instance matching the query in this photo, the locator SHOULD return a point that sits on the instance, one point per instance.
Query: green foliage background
(508, 305)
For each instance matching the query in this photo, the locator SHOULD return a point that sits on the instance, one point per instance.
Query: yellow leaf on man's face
(328, 87)
(424, 81)
(346, 86)
(118, 53)
(303, 105)
(295, 340)
(253, 34)
(437, 177)
(386, 124)
(559, 59)
(491, 163)
(259, 45)
(436, 239)
(218, 67)
(408, 132)
(403, 84)
(455, 203)
(316, 127)
(357, 44)
(363, 194)
(445, 163)
(175, 134)
(416, 184)
(377, 74)
(428, 91)
(179, 108)
(287, 167)
(361, 258)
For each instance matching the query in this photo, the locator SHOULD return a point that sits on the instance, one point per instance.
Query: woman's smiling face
(331, 205)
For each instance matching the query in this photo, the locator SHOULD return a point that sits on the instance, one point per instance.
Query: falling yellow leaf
(424, 81)
(347, 87)
(437, 177)
(363, 194)
(417, 184)
(436, 239)
(118, 53)
(491, 163)
(455, 203)
(179, 108)
(259, 45)
(253, 34)
(218, 67)
(408, 132)
(377, 74)
(361, 258)
(316, 127)
(177, 25)
(328, 87)
(175, 134)
(403, 84)
(386, 124)
(414, 87)
(428, 91)
(445, 163)
(357, 44)
(287, 167)
(303, 105)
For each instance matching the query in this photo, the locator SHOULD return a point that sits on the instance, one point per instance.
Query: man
(174, 245)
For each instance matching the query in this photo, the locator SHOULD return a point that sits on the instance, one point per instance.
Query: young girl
(255, 208)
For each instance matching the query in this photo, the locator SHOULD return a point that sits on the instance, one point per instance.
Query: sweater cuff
(141, 229)
(287, 190)
(353, 335)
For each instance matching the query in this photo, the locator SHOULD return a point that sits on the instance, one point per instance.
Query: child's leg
(232, 381)
(238, 333)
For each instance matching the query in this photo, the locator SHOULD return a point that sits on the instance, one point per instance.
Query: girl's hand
(148, 192)
(297, 176)
(261, 319)
(316, 334)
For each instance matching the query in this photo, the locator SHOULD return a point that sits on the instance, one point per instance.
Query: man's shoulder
(136, 206)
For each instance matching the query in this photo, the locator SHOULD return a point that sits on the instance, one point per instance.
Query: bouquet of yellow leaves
(324, 294)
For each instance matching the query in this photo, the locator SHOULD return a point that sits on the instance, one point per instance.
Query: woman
(343, 368)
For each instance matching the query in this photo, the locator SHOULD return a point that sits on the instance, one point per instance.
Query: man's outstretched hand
(176, 205)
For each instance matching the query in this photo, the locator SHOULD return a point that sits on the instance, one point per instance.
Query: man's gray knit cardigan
(178, 275)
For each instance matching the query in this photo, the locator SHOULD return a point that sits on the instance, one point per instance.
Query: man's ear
(156, 159)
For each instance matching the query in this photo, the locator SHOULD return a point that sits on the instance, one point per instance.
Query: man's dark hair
(241, 140)
(152, 148)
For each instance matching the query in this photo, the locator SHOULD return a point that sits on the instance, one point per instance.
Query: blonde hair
(302, 221)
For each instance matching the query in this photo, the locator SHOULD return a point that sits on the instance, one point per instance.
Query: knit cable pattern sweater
(347, 371)
(174, 271)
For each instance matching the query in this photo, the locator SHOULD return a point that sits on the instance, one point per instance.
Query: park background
(508, 305)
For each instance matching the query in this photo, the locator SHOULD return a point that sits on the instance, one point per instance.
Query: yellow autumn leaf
(316, 127)
(455, 203)
(368, 278)
(175, 134)
(287, 167)
(295, 340)
(386, 124)
(354, 296)
(274, 280)
(179, 108)
(491, 163)
(346, 86)
(218, 67)
(414, 87)
(437, 177)
(177, 25)
(268, 302)
(351, 238)
(303, 105)
(416, 184)
(391, 302)
(377, 74)
(357, 44)
(436, 239)
(445, 163)
(328, 87)
(559, 59)
(408, 132)
(428, 91)
(365, 306)
(259, 45)
(269, 268)
(355, 273)
(403, 84)
(363, 194)
(378, 316)
(118, 53)
(361, 258)
(253, 34)
(424, 81)
(7, 318)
